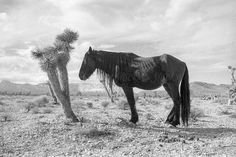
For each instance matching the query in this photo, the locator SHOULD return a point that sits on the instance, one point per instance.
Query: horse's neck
(103, 64)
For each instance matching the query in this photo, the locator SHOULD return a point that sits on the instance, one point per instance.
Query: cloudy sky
(200, 32)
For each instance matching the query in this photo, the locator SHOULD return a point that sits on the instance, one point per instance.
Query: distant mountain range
(197, 89)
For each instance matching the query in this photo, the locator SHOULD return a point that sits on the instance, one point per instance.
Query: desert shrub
(46, 111)
(123, 104)
(40, 101)
(1, 103)
(28, 106)
(94, 132)
(196, 113)
(105, 104)
(222, 101)
(35, 110)
(6, 117)
(149, 116)
(225, 111)
(90, 105)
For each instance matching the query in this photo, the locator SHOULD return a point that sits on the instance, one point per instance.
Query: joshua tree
(53, 60)
(232, 74)
(52, 92)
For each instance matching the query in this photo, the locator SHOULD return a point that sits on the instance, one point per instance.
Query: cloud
(201, 33)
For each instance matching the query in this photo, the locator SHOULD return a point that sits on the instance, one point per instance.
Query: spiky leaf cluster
(59, 52)
(67, 36)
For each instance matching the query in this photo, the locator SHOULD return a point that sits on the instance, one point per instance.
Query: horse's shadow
(201, 132)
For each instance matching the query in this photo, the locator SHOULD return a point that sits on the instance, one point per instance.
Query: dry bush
(222, 101)
(225, 111)
(196, 113)
(149, 116)
(105, 104)
(35, 110)
(2, 103)
(123, 104)
(90, 104)
(77, 105)
(6, 117)
(28, 106)
(94, 132)
(40, 101)
(46, 111)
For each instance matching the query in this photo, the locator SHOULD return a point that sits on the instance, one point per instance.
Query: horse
(129, 70)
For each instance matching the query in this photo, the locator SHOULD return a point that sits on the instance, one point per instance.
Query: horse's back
(173, 67)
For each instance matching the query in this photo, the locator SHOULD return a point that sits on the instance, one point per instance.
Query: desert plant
(40, 101)
(94, 132)
(28, 106)
(123, 104)
(105, 104)
(35, 110)
(46, 111)
(90, 105)
(1, 103)
(196, 113)
(232, 69)
(6, 117)
(53, 60)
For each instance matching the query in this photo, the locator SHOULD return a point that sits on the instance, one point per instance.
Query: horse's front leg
(130, 98)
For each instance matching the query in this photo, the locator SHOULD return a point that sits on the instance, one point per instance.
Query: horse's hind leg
(130, 97)
(174, 115)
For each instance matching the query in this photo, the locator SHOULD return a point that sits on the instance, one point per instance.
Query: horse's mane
(110, 60)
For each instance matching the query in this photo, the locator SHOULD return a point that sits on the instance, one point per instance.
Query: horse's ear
(90, 49)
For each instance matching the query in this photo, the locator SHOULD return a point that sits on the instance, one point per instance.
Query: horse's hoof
(173, 124)
(133, 121)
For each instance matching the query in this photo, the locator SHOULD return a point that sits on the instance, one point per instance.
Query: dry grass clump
(40, 101)
(46, 111)
(6, 117)
(196, 113)
(35, 110)
(225, 111)
(90, 104)
(1, 103)
(123, 104)
(222, 101)
(104, 104)
(95, 132)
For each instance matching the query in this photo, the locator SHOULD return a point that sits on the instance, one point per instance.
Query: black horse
(129, 70)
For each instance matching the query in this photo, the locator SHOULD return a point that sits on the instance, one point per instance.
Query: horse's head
(88, 65)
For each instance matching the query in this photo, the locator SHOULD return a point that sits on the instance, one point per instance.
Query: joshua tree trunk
(63, 79)
(61, 97)
(52, 93)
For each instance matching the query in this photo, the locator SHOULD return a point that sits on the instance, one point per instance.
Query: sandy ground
(105, 130)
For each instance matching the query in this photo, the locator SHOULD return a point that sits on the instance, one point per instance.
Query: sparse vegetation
(90, 104)
(6, 117)
(95, 132)
(35, 110)
(104, 104)
(46, 111)
(196, 113)
(123, 104)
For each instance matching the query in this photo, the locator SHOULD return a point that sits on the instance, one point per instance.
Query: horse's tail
(185, 97)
